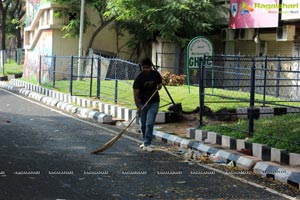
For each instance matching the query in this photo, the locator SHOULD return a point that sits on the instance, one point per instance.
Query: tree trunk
(95, 33)
(3, 31)
(19, 38)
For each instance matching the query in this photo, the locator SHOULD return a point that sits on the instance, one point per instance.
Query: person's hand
(139, 110)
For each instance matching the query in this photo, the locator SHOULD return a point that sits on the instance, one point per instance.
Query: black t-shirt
(146, 84)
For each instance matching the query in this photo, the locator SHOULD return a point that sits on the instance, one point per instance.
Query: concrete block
(293, 110)
(158, 134)
(294, 159)
(285, 157)
(242, 113)
(225, 141)
(178, 141)
(200, 135)
(233, 143)
(266, 111)
(246, 162)
(120, 113)
(224, 154)
(282, 175)
(53, 102)
(211, 137)
(257, 150)
(275, 154)
(127, 114)
(171, 139)
(160, 117)
(92, 113)
(104, 118)
(88, 103)
(106, 108)
(261, 168)
(204, 148)
(83, 112)
(190, 133)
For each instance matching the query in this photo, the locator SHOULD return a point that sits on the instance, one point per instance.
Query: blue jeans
(147, 120)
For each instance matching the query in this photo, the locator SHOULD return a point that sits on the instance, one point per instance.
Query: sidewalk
(269, 162)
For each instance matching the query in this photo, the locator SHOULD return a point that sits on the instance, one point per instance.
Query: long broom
(115, 138)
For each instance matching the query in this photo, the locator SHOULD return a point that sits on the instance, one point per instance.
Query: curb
(81, 112)
(259, 112)
(110, 109)
(259, 151)
(285, 174)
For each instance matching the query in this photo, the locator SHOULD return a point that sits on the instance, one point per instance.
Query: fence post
(71, 77)
(252, 98)
(237, 73)
(91, 76)
(98, 76)
(2, 61)
(116, 85)
(40, 70)
(278, 77)
(201, 89)
(54, 70)
(265, 80)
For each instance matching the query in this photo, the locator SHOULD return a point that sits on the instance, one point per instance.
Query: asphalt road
(46, 155)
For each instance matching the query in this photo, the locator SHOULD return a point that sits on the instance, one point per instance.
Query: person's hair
(147, 61)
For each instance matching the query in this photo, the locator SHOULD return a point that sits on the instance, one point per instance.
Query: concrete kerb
(81, 112)
(116, 111)
(287, 174)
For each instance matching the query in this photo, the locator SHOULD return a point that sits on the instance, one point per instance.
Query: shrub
(171, 79)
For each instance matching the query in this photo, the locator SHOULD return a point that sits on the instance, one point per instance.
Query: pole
(201, 89)
(80, 39)
(252, 99)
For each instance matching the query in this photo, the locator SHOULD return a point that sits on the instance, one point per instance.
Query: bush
(171, 79)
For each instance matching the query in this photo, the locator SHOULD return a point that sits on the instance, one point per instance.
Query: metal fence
(6, 56)
(84, 76)
(268, 76)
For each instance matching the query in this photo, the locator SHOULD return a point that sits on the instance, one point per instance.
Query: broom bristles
(113, 140)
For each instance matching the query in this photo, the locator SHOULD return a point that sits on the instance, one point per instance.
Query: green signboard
(196, 49)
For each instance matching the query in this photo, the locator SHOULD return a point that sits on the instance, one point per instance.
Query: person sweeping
(146, 97)
(149, 81)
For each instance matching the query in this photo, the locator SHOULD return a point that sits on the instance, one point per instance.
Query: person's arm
(159, 86)
(137, 100)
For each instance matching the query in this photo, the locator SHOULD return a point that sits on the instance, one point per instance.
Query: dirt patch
(179, 128)
(186, 121)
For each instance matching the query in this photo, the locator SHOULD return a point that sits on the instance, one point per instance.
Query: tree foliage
(177, 21)
(72, 28)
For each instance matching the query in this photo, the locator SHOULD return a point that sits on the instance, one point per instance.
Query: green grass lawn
(180, 94)
(281, 132)
(11, 67)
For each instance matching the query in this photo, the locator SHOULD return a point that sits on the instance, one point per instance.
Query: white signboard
(196, 49)
(290, 9)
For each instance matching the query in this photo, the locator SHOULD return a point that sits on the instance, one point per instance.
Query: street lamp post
(80, 39)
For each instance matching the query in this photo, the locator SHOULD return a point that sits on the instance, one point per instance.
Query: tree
(16, 13)
(11, 14)
(72, 29)
(178, 21)
(4, 6)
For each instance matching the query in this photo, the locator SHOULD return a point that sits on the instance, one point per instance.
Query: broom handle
(115, 138)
